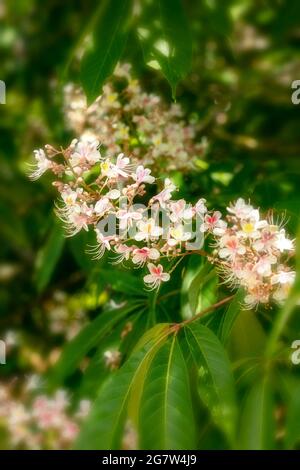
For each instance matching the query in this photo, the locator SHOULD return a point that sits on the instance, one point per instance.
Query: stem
(152, 306)
(169, 294)
(280, 322)
(207, 310)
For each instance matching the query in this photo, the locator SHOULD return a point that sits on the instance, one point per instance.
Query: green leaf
(216, 385)
(105, 425)
(199, 287)
(88, 337)
(48, 257)
(167, 44)
(248, 338)
(110, 33)
(120, 281)
(257, 423)
(203, 290)
(292, 437)
(79, 245)
(230, 316)
(166, 416)
(97, 370)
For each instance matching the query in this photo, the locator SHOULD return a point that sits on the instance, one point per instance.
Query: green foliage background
(226, 380)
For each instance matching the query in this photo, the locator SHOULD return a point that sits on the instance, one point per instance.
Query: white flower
(251, 226)
(69, 197)
(85, 151)
(148, 230)
(180, 210)
(127, 217)
(263, 267)
(282, 243)
(240, 209)
(102, 206)
(283, 277)
(113, 194)
(156, 276)
(103, 243)
(42, 164)
(200, 207)
(256, 297)
(143, 175)
(141, 255)
(116, 170)
(121, 164)
(178, 235)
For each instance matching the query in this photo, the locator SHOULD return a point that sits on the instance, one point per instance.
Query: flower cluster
(106, 195)
(42, 422)
(110, 196)
(252, 253)
(131, 120)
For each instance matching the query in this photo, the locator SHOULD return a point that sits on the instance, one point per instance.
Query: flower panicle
(105, 195)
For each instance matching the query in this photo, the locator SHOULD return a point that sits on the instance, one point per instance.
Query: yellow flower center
(248, 227)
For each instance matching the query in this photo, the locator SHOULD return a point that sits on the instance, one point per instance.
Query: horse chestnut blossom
(108, 195)
(131, 120)
(253, 253)
(35, 421)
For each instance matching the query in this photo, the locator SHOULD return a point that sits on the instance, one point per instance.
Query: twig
(207, 310)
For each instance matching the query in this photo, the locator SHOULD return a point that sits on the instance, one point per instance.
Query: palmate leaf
(110, 33)
(216, 385)
(105, 424)
(257, 423)
(167, 44)
(88, 337)
(166, 418)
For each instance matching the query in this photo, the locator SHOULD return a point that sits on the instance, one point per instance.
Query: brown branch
(207, 310)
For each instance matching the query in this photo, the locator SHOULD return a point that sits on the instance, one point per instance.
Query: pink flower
(231, 247)
(240, 209)
(166, 193)
(213, 223)
(123, 251)
(77, 218)
(156, 276)
(127, 217)
(141, 255)
(266, 240)
(121, 164)
(143, 175)
(69, 430)
(180, 210)
(85, 152)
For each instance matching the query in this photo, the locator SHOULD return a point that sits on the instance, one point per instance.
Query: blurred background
(246, 55)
